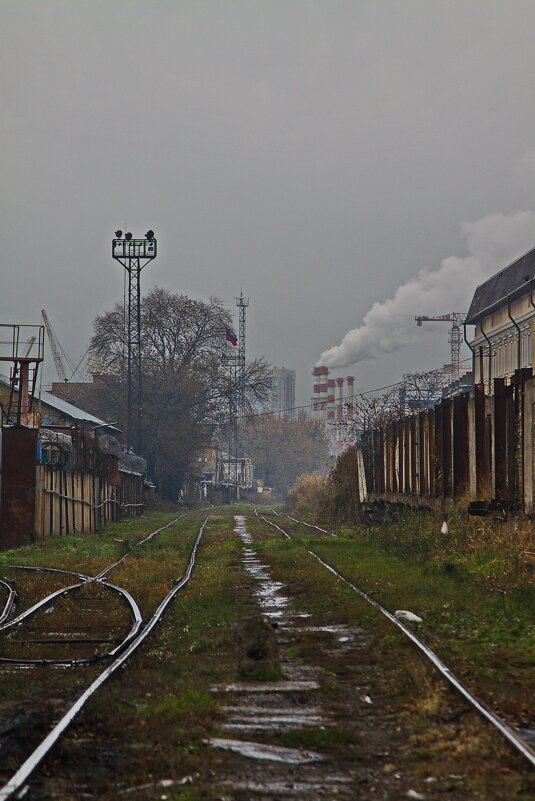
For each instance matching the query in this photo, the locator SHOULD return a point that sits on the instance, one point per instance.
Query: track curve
(26, 769)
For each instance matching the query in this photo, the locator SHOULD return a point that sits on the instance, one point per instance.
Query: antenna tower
(242, 304)
(236, 367)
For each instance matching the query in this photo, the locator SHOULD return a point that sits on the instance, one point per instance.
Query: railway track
(67, 603)
(117, 657)
(479, 706)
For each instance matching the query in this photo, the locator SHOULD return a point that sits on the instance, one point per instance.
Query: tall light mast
(134, 254)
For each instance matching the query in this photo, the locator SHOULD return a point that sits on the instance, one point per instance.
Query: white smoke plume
(492, 242)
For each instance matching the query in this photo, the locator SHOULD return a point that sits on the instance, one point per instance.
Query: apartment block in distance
(282, 391)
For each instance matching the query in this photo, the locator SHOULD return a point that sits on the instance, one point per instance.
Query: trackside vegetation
(473, 585)
(462, 623)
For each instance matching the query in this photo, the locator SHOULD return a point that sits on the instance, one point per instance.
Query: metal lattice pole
(242, 304)
(233, 420)
(134, 254)
(134, 385)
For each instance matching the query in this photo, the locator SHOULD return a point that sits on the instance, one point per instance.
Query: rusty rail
(485, 711)
(31, 763)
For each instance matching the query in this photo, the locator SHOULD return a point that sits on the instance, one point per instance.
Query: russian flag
(230, 336)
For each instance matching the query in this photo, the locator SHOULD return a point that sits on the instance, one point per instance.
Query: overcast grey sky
(316, 154)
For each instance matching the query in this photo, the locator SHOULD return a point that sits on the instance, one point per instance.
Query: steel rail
(302, 523)
(82, 576)
(29, 765)
(85, 579)
(138, 621)
(11, 597)
(310, 525)
(41, 568)
(486, 712)
(43, 602)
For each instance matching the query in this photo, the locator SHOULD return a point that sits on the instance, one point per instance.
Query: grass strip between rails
(415, 694)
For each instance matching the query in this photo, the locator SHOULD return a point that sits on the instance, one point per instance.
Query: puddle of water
(273, 721)
(274, 753)
(267, 592)
(266, 686)
(334, 784)
(328, 629)
(261, 710)
(267, 717)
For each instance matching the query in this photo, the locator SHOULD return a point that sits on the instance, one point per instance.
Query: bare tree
(421, 390)
(185, 377)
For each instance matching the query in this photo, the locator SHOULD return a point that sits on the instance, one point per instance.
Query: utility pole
(455, 337)
(134, 254)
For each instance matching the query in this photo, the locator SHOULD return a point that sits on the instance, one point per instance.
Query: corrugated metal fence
(65, 481)
(83, 483)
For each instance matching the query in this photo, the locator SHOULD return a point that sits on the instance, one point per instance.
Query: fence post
(482, 476)
(500, 441)
(439, 452)
(17, 506)
(460, 445)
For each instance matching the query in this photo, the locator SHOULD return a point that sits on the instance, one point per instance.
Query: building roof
(67, 409)
(511, 280)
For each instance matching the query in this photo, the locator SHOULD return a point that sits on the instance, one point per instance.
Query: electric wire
(348, 398)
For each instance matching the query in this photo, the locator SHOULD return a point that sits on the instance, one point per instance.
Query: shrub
(308, 494)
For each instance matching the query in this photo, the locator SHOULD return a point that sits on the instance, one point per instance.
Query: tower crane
(455, 337)
(55, 346)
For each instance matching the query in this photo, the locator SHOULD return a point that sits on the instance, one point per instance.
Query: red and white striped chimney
(320, 392)
(331, 383)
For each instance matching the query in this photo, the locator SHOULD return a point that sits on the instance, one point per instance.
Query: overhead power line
(345, 398)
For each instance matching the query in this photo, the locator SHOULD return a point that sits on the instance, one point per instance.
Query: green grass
(488, 644)
(168, 708)
(154, 714)
(321, 738)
